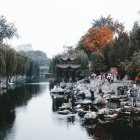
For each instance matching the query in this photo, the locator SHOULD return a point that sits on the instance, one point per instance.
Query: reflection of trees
(98, 132)
(125, 128)
(120, 129)
(56, 103)
(9, 101)
(7, 117)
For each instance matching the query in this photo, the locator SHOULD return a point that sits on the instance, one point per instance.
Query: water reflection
(29, 112)
(9, 100)
(117, 129)
(99, 132)
(56, 103)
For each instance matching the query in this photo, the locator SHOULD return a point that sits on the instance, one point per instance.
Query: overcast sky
(50, 24)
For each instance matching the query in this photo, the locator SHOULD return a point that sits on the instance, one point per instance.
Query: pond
(27, 112)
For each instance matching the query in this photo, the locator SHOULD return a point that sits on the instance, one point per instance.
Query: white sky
(50, 24)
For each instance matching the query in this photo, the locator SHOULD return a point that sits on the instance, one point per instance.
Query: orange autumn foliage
(97, 38)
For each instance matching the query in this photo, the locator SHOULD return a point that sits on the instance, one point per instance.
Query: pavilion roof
(69, 56)
(64, 66)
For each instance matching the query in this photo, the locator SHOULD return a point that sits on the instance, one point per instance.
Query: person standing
(134, 102)
(134, 85)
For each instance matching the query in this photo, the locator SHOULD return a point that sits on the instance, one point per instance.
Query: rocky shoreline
(99, 99)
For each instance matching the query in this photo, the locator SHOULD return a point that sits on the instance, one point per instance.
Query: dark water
(29, 113)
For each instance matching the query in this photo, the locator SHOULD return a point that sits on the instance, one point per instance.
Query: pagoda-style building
(68, 67)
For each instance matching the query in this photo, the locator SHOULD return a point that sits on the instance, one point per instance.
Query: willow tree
(11, 63)
(26, 61)
(33, 69)
(2, 66)
(3, 52)
(23, 63)
(26, 65)
(19, 65)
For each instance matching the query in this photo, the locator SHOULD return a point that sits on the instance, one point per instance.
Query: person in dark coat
(134, 102)
(92, 94)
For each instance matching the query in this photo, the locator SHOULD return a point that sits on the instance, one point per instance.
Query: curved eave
(62, 66)
(68, 57)
(68, 66)
(74, 66)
